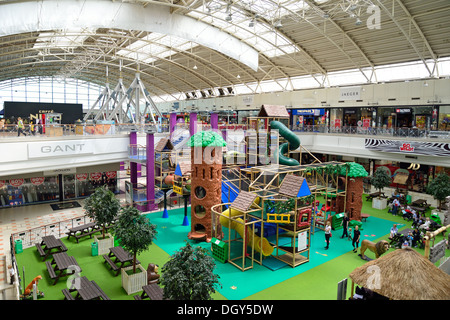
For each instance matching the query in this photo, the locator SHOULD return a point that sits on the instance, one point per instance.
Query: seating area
(152, 291)
(82, 231)
(121, 258)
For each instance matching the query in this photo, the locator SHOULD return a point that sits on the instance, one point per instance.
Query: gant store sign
(405, 147)
(59, 148)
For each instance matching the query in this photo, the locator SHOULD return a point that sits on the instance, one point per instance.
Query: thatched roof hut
(403, 274)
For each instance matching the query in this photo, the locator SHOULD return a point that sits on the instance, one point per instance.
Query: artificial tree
(103, 207)
(380, 180)
(188, 275)
(439, 187)
(135, 232)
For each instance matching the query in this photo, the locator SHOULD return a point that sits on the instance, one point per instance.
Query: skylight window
(155, 46)
(62, 38)
(262, 36)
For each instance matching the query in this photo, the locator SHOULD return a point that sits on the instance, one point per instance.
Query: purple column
(214, 121)
(150, 165)
(133, 165)
(192, 123)
(172, 123)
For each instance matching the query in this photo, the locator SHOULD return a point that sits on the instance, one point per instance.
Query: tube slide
(265, 249)
(293, 143)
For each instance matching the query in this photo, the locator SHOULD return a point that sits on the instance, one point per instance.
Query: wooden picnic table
(421, 210)
(420, 203)
(87, 290)
(375, 195)
(50, 245)
(87, 229)
(62, 265)
(151, 291)
(121, 258)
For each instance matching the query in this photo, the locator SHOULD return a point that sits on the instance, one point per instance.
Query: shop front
(304, 118)
(56, 185)
(421, 117)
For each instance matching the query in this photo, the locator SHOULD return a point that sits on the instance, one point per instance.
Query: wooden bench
(40, 250)
(137, 297)
(364, 216)
(50, 270)
(67, 295)
(102, 293)
(111, 263)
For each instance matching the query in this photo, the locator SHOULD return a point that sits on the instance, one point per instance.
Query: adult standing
(355, 239)
(345, 222)
(20, 127)
(327, 234)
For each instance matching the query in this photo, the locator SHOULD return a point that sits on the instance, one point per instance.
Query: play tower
(206, 182)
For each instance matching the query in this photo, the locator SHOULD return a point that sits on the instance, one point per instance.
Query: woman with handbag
(327, 234)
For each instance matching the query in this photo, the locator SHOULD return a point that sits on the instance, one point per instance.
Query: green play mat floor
(314, 280)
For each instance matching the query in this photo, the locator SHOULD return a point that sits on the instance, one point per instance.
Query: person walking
(327, 234)
(20, 127)
(355, 239)
(345, 222)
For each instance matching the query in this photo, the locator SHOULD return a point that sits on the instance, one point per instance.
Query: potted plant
(439, 188)
(189, 275)
(103, 207)
(380, 180)
(136, 234)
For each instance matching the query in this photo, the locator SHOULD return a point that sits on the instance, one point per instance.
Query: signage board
(409, 147)
(350, 93)
(45, 149)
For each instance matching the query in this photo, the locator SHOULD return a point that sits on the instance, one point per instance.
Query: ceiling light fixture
(194, 67)
(358, 22)
(251, 23)
(228, 17)
(278, 24)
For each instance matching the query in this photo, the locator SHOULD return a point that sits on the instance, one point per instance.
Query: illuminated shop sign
(403, 110)
(308, 112)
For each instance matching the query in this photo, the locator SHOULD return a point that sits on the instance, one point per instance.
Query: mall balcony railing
(374, 131)
(11, 130)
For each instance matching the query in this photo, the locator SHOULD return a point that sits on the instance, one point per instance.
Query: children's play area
(276, 228)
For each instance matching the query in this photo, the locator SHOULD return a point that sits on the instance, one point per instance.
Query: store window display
(21, 191)
(40, 189)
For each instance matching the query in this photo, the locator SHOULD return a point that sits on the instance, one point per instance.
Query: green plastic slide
(292, 144)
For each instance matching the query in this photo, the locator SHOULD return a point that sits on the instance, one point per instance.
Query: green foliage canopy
(380, 179)
(188, 275)
(134, 231)
(206, 139)
(439, 187)
(102, 206)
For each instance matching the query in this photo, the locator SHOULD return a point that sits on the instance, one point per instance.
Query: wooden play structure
(278, 204)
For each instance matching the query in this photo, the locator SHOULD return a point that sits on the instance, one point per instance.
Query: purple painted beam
(133, 165)
(150, 165)
(172, 122)
(214, 121)
(193, 123)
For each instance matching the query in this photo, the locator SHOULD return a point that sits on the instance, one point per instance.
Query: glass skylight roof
(62, 38)
(154, 46)
(261, 35)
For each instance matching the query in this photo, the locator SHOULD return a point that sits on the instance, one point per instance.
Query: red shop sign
(82, 176)
(16, 182)
(111, 174)
(96, 175)
(2, 183)
(37, 181)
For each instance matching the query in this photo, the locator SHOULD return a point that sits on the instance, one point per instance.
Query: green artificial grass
(314, 280)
